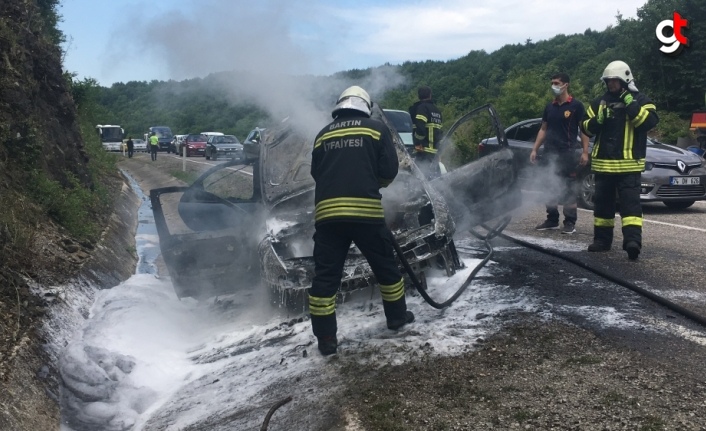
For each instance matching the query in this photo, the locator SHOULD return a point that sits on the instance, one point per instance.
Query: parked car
(251, 145)
(673, 176)
(402, 121)
(176, 144)
(226, 146)
(195, 145)
(139, 145)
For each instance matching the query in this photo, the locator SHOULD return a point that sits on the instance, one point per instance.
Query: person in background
(620, 120)
(560, 126)
(130, 147)
(426, 132)
(353, 157)
(154, 146)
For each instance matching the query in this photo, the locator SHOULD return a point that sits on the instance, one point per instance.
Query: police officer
(154, 146)
(353, 157)
(620, 120)
(427, 132)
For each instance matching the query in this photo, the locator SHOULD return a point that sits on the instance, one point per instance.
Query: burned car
(238, 239)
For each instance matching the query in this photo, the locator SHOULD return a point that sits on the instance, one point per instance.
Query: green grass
(187, 177)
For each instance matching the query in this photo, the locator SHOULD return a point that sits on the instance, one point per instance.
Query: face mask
(557, 89)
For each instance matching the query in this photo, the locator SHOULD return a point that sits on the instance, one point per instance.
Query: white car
(139, 145)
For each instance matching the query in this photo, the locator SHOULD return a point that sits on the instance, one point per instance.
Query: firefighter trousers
(627, 188)
(331, 244)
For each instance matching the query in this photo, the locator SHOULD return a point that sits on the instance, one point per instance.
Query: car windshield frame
(399, 118)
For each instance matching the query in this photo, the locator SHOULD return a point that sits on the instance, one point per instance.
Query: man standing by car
(154, 146)
(558, 133)
(130, 147)
(353, 157)
(426, 133)
(620, 120)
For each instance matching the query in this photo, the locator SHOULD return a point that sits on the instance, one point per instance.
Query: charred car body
(236, 240)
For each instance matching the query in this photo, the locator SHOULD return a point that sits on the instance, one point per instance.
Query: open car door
(482, 189)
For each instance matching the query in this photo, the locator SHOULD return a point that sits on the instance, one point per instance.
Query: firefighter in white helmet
(620, 120)
(353, 157)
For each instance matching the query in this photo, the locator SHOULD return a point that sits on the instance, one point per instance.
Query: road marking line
(674, 225)
(662, 222)
(210, 164)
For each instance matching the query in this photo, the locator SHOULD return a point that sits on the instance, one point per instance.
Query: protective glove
(626, 97)
(600, 118)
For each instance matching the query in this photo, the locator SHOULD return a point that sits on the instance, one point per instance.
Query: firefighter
(353, 157)
(620, 120)
(427, 132)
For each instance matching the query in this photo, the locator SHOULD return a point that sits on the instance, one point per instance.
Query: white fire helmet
(353, 98)
(619, 70)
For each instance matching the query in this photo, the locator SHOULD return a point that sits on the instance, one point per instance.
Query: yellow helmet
(353, 98)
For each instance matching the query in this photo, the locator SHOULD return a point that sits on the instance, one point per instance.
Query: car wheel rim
(588, 188)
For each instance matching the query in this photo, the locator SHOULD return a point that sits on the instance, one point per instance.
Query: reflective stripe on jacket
(352, 158)
(427, 125)
(621, 141)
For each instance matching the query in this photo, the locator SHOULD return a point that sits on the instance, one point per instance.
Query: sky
(129, 40)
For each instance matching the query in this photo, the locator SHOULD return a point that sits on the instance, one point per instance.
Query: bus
(111, 136)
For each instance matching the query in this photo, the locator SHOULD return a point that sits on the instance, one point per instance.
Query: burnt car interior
(260, 233)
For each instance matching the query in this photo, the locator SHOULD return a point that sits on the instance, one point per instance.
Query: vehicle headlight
(649, 166)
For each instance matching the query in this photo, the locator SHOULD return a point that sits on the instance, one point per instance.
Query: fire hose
(496, 231)
(492, 233)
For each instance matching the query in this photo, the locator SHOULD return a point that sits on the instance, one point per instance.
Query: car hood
(196, 144)
(658, 152)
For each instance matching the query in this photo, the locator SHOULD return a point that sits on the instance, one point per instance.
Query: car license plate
(685, 181)
(201, 150)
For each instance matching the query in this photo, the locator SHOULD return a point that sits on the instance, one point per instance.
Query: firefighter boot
(602, 239)
(633, 249)
(397, 314)
(396, 324)
(598, 246)
(327, 345)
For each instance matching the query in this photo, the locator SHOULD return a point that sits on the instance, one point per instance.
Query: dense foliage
(515, 79)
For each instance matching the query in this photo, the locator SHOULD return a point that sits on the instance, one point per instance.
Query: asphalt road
(671, 265)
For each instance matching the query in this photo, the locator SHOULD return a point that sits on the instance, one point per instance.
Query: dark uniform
(130, 147)
(426, 134)
(617, 160)
(352, 158)
(560, 143)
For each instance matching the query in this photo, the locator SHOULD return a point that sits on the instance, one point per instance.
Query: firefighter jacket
(621, 141)
(427, 125)
(352, 158)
